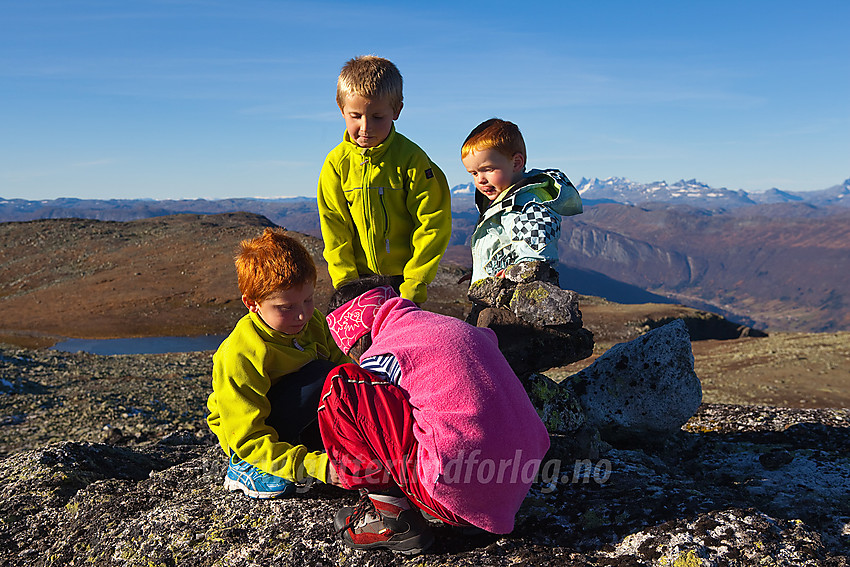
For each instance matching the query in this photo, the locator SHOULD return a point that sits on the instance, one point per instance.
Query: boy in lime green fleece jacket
(268, 373)
(384, 207)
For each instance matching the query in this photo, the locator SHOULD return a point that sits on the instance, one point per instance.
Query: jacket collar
(377, 151)
(271, 335)
(563, 202)
(488, 208)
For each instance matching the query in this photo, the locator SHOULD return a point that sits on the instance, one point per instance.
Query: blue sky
(214, 99)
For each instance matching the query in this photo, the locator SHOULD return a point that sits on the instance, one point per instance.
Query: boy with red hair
(520, 210)
(268, 373)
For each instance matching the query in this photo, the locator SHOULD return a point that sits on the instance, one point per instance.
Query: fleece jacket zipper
(371, 236)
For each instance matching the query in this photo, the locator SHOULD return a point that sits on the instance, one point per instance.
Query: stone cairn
(640, 391)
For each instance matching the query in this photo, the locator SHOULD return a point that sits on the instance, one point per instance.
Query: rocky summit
(107, 461)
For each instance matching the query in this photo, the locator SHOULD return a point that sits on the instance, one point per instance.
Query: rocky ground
(108, 462)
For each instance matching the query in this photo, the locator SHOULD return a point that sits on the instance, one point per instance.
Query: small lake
(141, 345)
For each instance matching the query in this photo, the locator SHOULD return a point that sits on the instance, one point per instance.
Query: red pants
(367, 429)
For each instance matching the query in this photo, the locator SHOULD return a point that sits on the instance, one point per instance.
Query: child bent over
(384, 207)
(433, 421)
(268, 373)
(520, 210)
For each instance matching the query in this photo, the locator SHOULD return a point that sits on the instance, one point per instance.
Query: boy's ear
(397, 112)
(252, 305)
(519, 162)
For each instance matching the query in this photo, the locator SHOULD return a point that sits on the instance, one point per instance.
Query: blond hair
(372, 78)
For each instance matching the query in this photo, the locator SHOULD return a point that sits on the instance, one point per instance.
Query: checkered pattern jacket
(525, 224)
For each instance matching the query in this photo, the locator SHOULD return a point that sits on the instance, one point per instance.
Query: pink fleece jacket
(480, 439)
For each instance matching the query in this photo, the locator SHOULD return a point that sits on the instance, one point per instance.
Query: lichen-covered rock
(724, 537)
(682, 501)
(491, 292)
(643, 388)
(557, 406)
(543, 304)
(737, 486)
(498, 291)
(535, 270)
(538, 324)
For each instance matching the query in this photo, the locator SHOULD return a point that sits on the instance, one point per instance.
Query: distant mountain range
(296, 213)
(693, 193)
(592, 191)
(774, 260)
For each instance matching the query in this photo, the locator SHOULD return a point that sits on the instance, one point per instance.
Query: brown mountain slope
(169, 275)
(174, 275)
(101, 279)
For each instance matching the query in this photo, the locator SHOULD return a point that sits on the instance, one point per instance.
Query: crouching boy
(433, 421)
(268, 373)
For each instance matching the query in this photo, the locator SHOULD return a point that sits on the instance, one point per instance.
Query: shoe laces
(364, 506)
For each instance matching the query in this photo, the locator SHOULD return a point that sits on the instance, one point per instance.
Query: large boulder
(644, 388)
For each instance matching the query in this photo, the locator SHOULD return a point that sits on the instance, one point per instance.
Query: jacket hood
(555, 190)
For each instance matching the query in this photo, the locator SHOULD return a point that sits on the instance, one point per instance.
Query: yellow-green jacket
(248, 363)
(384, 210)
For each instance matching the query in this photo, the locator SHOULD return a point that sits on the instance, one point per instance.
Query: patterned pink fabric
(354, 319)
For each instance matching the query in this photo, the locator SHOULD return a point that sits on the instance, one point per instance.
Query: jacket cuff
(415, 291)
(316, 465)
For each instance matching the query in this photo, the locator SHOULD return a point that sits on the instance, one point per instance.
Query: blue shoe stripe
(245, 477)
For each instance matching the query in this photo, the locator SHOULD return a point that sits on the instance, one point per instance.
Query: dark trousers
(295, 400)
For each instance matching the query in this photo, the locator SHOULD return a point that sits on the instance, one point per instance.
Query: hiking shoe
(254, 483)
(382, 521)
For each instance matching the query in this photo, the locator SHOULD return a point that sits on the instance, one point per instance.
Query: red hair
(270, 262)
(500, 135)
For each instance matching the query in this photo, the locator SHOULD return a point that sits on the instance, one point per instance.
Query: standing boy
(384, 207)
(520, 211)
(268, 373)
